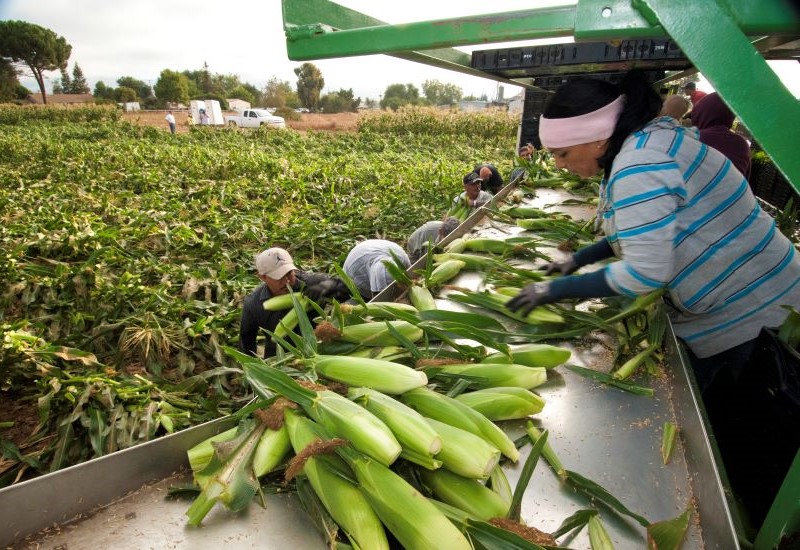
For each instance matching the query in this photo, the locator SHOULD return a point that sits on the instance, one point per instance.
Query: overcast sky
(245, 37)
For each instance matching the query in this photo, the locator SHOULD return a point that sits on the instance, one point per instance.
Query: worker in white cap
(278, 273)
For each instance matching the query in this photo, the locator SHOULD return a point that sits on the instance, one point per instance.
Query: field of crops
(126, 253)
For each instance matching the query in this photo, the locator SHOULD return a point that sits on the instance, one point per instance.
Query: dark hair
(585, 95)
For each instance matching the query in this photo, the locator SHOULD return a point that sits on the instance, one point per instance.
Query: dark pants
(171, 127)
(732, 361)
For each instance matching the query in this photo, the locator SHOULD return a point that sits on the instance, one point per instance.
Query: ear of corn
(343, 500)
(278, 303)
(532, 355)
(408, 426)
(383, 376)
(498, 482)
(444, 272)
(493, 375)
(290, 320)
(503, 403)
(272, 448)
(360, 427)
(525, 212)
(467, 494)
(456, 245)
(465, 453)
(377, 310)
(376, 334)
(421, 298)
(414, 521)
(471, 261)
(200, 455)
(451, 411)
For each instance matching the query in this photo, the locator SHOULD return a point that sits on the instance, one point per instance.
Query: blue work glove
(531, 296)
(566, 267)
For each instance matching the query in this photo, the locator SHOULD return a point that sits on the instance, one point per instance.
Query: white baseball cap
(274, 263)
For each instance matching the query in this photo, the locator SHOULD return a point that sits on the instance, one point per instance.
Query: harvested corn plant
(503, 403)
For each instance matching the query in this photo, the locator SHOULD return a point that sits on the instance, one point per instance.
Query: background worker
(472, 196)
(433, 231)
(488, 174)
(365, 265)
(675, 106)
(677, 215)
(278, 273)
(714, 120)
(170, 118)
(695, 95)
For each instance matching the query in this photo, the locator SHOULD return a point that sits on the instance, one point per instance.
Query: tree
(240, 92)
(64, 85)
(101, 91)
(142, 88)
(172, 86)
(439, 93)
(123, 94)
(279, 93)
(38, 48)
(9, 84)
(309, 85)
(397, 95)
(341, 101)
(79, 84)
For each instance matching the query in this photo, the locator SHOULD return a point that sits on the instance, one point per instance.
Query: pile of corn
(383, 421)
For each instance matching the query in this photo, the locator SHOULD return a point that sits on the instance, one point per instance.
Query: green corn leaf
(462, 317)
(669, 534)
(596, 491)
(611, 381)
(320, 517)
(576, 521)
(515, 509)
(668, 440)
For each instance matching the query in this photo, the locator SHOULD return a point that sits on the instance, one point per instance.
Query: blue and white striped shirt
(680, 216)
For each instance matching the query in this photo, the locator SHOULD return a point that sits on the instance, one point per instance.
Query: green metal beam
(711, 38)
(307, 19)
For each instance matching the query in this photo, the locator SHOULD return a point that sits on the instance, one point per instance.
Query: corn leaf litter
(668, 534)
(596, 491)
(483, 535)
(611, 381)
(668, 440)
(515, 510)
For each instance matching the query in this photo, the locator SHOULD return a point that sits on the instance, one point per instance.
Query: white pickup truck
(254, 118)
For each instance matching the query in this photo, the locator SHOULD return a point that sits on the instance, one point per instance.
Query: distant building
(472, 106)
(130, 106)
(61, 99)
(238, 105)
(516, 104)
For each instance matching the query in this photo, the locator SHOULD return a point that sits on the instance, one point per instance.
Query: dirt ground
(339, 122)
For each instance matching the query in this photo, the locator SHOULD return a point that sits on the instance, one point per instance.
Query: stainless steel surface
(607, 435)
(58, 497)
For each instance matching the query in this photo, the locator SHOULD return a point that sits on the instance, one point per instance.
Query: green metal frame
(712, 33)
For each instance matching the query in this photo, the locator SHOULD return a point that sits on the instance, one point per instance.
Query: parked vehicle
(254, 118)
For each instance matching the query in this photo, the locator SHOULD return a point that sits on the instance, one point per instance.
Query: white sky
(111, 39)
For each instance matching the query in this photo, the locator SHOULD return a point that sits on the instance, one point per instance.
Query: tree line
(28, 48)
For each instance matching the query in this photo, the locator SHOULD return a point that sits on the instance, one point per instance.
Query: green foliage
(172, 86)
(309, 85)
(397, 95)
(340, 102)
(79, 84)
(37, 47)
(279, 93)
(142, 89)
(287, 113)
(123, 94)
(428, 121)
(9, 83)
(439, 93)
(57, 114)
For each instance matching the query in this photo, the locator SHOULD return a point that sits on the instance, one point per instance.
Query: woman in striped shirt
(677, 215)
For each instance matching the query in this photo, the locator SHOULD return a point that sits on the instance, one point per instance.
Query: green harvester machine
(612, 437)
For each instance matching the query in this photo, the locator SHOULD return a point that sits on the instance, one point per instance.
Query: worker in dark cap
(489, 176)
(473, 196)
(695, 95)
(427, 233)
(278, 274)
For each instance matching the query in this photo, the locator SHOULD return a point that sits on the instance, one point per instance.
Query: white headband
(594, 126)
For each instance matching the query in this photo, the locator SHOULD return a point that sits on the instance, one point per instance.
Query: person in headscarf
(714, 120)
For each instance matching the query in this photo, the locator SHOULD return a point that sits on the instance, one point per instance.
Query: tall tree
(79, 84)
(142, 88)
(101, 91)
(64, 85)
(172, 86)
(123, 94)
(397, 95)
(38, 48)
(309, 85)
(9, 84)
(279, 93)
(439, 93)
